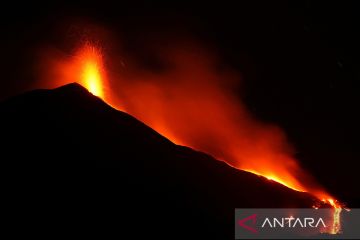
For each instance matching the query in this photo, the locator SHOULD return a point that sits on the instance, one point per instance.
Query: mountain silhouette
(82, 166)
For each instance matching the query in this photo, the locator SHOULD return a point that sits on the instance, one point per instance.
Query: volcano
(94, 169)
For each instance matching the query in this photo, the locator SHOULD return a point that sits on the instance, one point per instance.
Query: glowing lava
(337, 208)
(85, 67)
(91, 68)
(91, 78)
(290, 182)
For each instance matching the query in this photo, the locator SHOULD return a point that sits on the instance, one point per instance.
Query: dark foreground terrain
(82, 168)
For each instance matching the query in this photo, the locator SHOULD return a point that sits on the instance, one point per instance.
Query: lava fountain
(91, 69)
(85, 67)
(192, 104)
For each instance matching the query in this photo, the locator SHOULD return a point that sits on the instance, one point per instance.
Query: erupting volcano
(191, 104)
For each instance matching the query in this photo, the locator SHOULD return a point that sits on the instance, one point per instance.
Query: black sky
(299, 61)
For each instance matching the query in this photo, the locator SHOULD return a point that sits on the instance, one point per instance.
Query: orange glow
(193, 103)
(337, 208)
(290, 183)
(91, 79)
(85, 67)
(90, 64)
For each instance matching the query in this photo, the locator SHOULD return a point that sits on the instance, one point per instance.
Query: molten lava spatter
(91, 68)
(85, 67)
(92, 80)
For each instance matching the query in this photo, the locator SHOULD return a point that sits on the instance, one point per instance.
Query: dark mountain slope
(57, 140)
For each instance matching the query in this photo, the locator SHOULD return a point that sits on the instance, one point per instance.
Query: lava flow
(192, 104)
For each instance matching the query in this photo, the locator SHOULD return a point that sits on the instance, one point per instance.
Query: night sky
(299, 62)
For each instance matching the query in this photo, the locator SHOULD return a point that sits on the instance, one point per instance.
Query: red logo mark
(242, 223)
